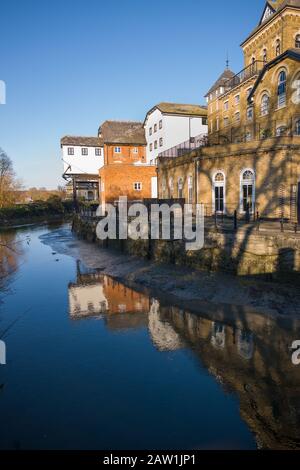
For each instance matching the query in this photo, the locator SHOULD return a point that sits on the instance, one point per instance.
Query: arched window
(297, 41)
(282, 89)
(281, 130)
(219, 192)
(180, 188)
(171, 187)
(277, 47)
(247, 191)
(265, 56)
(297, 127)
(265, 104)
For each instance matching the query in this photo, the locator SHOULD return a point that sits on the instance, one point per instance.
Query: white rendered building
(82, 159)
(169, 124)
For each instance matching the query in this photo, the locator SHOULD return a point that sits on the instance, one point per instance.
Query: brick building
(125, 171)
(252, 158)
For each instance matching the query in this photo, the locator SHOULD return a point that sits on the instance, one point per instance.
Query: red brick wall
(127, 154)
(119, 179)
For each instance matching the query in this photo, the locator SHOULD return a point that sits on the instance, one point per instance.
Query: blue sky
(70, 64)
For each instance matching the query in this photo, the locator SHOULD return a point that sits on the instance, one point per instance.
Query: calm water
(92, 364)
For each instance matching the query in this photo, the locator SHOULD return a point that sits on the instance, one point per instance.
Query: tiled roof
(182, 109)
(81, 141)
(226, 75)
(278, 6)
(122, 132)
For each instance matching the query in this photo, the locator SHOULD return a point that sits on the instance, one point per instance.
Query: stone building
(252, 157)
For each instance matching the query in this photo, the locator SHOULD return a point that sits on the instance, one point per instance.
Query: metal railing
(248, 72)
(185, 147)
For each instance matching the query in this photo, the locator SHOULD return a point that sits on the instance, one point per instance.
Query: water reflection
(11, 252)
(248, 353)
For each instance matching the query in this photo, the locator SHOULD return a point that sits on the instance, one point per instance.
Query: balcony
(185, 147)
(254, 69)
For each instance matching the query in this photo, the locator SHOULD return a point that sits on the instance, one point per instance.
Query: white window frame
(218, 184)
(138, 186)
(117, 150)
(248, 182)
(84, 151)
(71, 151)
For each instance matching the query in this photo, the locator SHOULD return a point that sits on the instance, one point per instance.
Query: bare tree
(9, 185)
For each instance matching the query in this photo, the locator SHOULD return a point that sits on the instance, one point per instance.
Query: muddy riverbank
(193, 289)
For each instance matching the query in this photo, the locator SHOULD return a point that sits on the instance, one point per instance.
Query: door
(298, 203)
(247, 197)
(154, 187)
(219, 198)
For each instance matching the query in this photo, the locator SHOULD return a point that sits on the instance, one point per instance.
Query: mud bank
(198, 291)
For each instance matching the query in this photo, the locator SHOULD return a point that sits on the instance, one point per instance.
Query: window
(237, 116)
(137, 186)
(297, 41)
(277, 47)
(160, 124)
(226, 105)
(282, 89)
(247, 191)
(226, 122)
(250, 113)
(135, 150)
(248, 92)
(161, 142)
(117, 150)
(281, 130)
(70, 150)
(265, 104)
(98, 152)
(180, 188)
(248, 136)
(151, 147)
(171, 187)
(155, 127)
(84, 151)
(204, 121)
(265, 56)
(190, 190)
(297, 127)
(219, 192)
(150, 131)
(155, 144)
(237, 100)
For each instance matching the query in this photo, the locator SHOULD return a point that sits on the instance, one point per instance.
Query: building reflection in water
(247, 353)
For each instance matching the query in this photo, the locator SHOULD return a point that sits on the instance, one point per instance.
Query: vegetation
(9, 185)
(54, 206)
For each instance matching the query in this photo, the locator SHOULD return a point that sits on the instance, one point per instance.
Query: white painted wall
(81, 164)
(175, 130)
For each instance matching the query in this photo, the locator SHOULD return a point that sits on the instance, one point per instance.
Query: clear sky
(71, 64)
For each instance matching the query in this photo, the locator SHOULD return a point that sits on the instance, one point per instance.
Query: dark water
(92, 364)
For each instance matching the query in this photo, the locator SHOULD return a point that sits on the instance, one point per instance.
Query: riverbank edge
(187, 288)
(39, 220)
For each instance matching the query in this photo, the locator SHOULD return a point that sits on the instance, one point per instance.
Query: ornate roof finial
(227, 61)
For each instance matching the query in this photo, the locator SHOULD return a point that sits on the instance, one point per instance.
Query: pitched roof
(81, 141)
(179, 109)
(224, 77)
(122, 132)
(277, 6)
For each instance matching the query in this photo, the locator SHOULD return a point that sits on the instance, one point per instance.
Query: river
(93, 363)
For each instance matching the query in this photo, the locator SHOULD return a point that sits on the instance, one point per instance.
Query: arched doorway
(247, 197)
(219, 201)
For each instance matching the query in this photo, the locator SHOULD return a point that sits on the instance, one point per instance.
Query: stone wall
(245, 252)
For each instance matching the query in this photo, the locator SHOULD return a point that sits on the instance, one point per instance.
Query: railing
(185, 147)
(248, 72)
